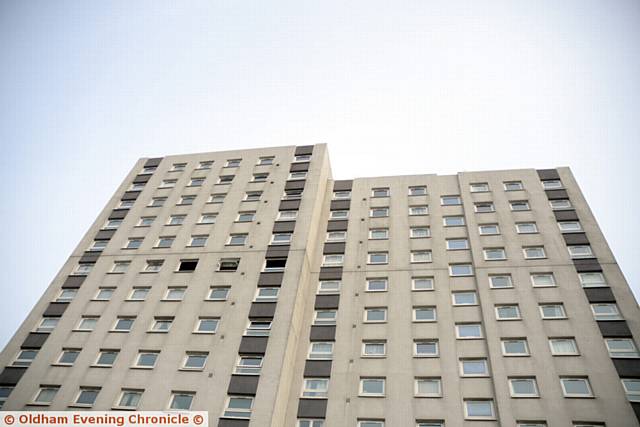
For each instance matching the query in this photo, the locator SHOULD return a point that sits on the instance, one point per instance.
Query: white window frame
(339, 215)
(457, 239)
(588, 251)
(524, 252)
(341, 195)
(325, 321)
(560, 204)
(534, 275)
(287, 215)
(576, 227)
(372, 232)
(265, 161)
(633, 352)
(270, 298)
(197, 238)
(115, 327)
(188, 355)
(238, 412)
(555, 352)
(383, 209)
(504, 341)
(50, 390)
(276, 236)
(531, 380)
(336, 236)
(449, 217)
(632, 395)
(419, 342)
(416, 386)
(519, 226)
(181, 289)
(518, 184)
(84, 319)
(479, 417)
(315, 393)
(377, 279)
(320, 355)
(484, 207)
(413, 189)
(585, 380)
(615, 314)
(427, 308)
(368, 309)
(459, 293)
(552, 184)
(417, 278)
(418, 210)
(370, 262)
(175, 394)
(141, 353)
(495, 276)
(385, 190)
(479, 187)
(413, 232)
(415, 257)
(497, 228)
(321, 291)
(124, 391)
(333, 260)
(453, 266)
(499, 306)
(234, 236)
(107, 289)
(559, 304)
(462, 361)
(444, 200)
(514, 203)
(251, 369)
(199, 322)
(499, 251)
(460, 337)
(366, 343)
(297, 176)
(592, 284)
(215, 288)
(363, 380)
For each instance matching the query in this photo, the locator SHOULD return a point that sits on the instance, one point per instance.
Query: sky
(393, 87)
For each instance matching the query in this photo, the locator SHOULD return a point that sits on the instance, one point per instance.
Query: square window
(68, 356)
(329, 287)
(424, 314)
(266, 294)
(372, 386)
(104, 294)
(605, 312)
(378, 258)
(218, 198)
(98, 245)
(332, 260)
(428, 387)
(87, 396)
(325, 317)
(153, 265)
(374, 348)
(526, 228)
(176, 219)
(129, 399)
(207, 325)
(146, 359)
(563, 346)
(494, 254)
(274, 264)
(500, 281)
(479, 187)
(422, 283)
(146, 221)
(450, 200)
(457, 244)
(175, 294)
(251, 196)
(534, 252)
(315, 387)
(507, 312)
(523, 387)
(123, 324)
(66, 295)
(83, 269)
(157, 202)
(237, 239)
(421, 256)
(195, 361)
(552, 311)
(468, 331)
(375, 314)
(453, 221)
(576, 387)
(45, 395)
(419, 190)
(464, 298)
(488, 229)
(580, 251)
(281, 238)
(519, 205)
(86, 324)
(321, 350)
(484, 207)
(138, 294)
(380, 192)
(165, 242)
(418, 210)
(543, 280)
(474, 368)
(113, 224)
(513, 185)
(425, 348)
(249, 216)
(248, 365)
(218, 293)
(378, 233)
(622, 348)
(515, 347)
(632, 389)
(458, 270)
(181, 400)
(47, 324)
(377, 284)
(106, 358)
(479, 409)
(379, 212)
(187, 265)
(198, 241)
(419, 232)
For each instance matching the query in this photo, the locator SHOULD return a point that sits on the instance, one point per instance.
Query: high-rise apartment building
(251, 285)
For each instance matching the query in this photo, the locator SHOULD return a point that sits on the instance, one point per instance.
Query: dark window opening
(188, 265)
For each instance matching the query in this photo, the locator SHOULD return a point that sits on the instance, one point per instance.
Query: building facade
(252, 285)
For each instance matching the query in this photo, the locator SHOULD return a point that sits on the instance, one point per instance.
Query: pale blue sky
(87, 87)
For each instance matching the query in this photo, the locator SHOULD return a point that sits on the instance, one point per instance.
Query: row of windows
(471, 407)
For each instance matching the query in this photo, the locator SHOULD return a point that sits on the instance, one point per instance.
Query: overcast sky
(394, 87)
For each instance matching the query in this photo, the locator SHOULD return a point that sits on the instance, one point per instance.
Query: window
(560, 204)
(177, 167)
(552, 311)
(341, 195)
(424, 314)
(195, 361)
(168, 183)
(233, 163)
(479, 409)
(281, 238)
(336, 236)
(129, 399)
(259, 177)
(123, 324)
(325, 317)
(206, 164)
(104, 294)
(187, 265)
(176, 219)
(315, 387)
(456, 270)
(500, 281)
(512, 185)
(422, 283)
(339, 215)
(196, 182)
(287, 215)
(563, 346)
(138, 294)
(294, 176)
(380, 192)
(47, 324)
(321, 350)
(146, 221)
(378, 233)
(570, 226)
(307, 422)
(266, 294)
(592, 280)
(112, 223)
(428, 387)
(98, 245)
(519, 205)
(552, 184)
(230, 264)
(153, 265)
(265, 161)
(621, 348)
(237, 239)
(379, 212)
(375, 314)
(258, 328)
(372, 386)
(523, 387)
(468, 331)
(125, 204)
(632, 389)
(218, 293)
(181, 400)
(274, 264)
(494, 254)
(580, 251)
(225, 179)
(464, 298)
(419, 232)
(157, 202)
(378, 258)
(246, 216)
(543, 280)
(418, 210)
(370, 423)
(68, 356)
(292, 194)
(137, 186)
(218, 198)
(45, 395)
(66, 295)
(83, 269)
(450, 200)
(576, 387)
(300, 159)
(4, 394)
(457, 244)
(25, 357)
(106, 358)
(238, 407)
(87, 396)
(419, 190)
(332, 260)
(488, 229)
(377, 284)
(507, 312)
(453, 221)
(430, 424)
(186, 200)
(165, 242)
(484, 207)
(474, 368)
(248, 365)
(374, 348)
(198, 241)
(161, 324)
(526, 228)
(515, 347)
(605, 312)
(425, 348)
(420, 256)
(146, 359)
(207, 325)
(86, 324)
(479, 187)
(252, 196)
(534, 252)
(329, 287)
